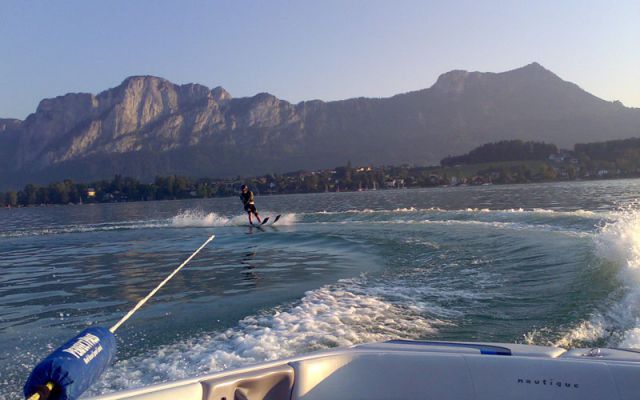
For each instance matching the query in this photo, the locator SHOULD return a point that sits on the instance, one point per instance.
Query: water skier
(246, 196)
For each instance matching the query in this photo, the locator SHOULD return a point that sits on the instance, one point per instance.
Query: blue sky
(302, 50)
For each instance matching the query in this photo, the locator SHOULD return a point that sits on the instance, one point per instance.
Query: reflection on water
(249, 275)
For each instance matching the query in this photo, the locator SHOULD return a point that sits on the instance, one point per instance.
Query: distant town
(504, 162)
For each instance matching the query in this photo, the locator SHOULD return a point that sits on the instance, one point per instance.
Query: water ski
(258, 227)
(264, 221)
(276, 219)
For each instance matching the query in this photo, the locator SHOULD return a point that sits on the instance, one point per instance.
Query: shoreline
(258, 194)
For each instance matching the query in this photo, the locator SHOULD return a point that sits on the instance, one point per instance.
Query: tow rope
(73, 367)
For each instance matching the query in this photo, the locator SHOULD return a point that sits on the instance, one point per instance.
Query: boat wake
(192, 218)
(337, 315)
(580, 223)
(619, 243)
(75, 228)
(200, 218)
(617, 323)
(470, 211)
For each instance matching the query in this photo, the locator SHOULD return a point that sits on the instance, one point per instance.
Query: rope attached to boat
(141, 302)
(73, 367)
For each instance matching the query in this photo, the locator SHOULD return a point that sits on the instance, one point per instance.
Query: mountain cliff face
(149, 126)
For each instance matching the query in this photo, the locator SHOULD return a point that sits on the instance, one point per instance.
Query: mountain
(149, 126)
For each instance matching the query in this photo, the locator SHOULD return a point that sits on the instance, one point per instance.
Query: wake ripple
(617, 242)
(337, 315)
(184, 219)
(509, 218)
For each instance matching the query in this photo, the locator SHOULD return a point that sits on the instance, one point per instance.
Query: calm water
(543, 264)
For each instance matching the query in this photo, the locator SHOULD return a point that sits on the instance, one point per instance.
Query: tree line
(172, 187)
(117, 189)
(505, 150)
(121, 189)
(502, 162)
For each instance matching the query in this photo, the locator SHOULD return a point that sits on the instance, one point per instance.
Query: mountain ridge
(169, 126)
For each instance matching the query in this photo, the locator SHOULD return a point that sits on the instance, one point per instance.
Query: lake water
(541, 264)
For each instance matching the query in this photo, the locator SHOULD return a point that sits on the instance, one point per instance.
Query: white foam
(198, 218)
(631, 339)
(405, 209)
(477, 210)
(493, 224)
(328, 317)
(184, 219)
(87, 228)
(618, 243)
(544, 211)
(584, 332)
(371, 211)
(287, 219)
(534, 211)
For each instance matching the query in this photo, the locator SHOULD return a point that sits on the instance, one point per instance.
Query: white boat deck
(420, 370)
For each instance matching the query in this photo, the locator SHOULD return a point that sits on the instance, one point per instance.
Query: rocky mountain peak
(264, 96)
(9, 124)
(220, 94)
(66, 102)
(142, 85)
(532, 72)
(534, 66)
(453, 82)
(141, 80)
(457, 81)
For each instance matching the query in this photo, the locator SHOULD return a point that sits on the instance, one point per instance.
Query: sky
(302, 50)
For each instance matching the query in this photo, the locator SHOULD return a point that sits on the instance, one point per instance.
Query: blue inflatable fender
(73, 367)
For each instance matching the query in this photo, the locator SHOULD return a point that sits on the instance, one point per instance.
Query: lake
(541, 264)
